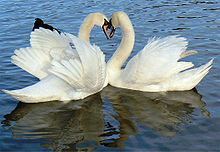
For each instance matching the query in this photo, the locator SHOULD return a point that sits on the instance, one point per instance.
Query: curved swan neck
(86, 27)
(126, 45)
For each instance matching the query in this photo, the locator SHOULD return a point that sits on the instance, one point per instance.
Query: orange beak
(105, 30)
(112, 32)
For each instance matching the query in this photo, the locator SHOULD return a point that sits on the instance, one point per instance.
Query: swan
(156, 67)
(69, 68)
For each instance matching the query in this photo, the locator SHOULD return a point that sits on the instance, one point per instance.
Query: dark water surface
(114, 119)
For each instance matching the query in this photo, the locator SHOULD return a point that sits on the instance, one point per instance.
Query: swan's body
(156, 67)
(69, 68)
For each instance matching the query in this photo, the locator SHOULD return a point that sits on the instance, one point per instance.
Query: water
(114, 119)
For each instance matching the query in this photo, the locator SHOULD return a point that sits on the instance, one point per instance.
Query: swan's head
(118, 18)
(112, 28)
(102, 21)
(105, 28)
(114, 22)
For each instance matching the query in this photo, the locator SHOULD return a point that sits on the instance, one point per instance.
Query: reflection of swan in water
(89, 121)
(65, 125)
(162, 112)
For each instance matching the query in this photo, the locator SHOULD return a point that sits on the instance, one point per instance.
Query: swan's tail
(189, 79)
(48, 89)
(22, 95)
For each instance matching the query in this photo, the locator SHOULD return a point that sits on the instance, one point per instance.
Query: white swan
(156, 67)
(68, 68)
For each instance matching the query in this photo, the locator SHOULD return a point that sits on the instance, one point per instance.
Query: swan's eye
(106, 22)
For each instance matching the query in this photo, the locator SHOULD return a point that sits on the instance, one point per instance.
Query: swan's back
(152, 63)
(157, 67)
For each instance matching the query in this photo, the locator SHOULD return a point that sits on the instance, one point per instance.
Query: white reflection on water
(82, 122)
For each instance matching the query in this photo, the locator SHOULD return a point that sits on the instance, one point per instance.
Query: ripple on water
(115, 119)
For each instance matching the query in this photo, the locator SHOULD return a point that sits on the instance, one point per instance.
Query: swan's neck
(126, 45)
(86, 27)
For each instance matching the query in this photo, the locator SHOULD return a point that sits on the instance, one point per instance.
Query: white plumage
(68, 67)
(45, 46)
(157, 66)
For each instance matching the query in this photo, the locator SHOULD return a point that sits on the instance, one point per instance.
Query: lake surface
(114, 119)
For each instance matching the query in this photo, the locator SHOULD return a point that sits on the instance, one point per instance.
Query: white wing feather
(188, 79)
(152, 64)
(45, 45)
(66, 73)
(85, 73)
(157, 67)
(32, 60)
(45, 40)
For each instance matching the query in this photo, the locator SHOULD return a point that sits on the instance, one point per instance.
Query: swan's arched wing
(45, 40)
(32, 61)
(156, 61)
(45, 45)
(86, 73)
